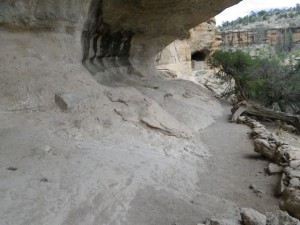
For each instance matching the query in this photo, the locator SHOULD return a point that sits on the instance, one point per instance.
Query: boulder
(262, 146)
(294, 164)
(294, 182)
(290, 201)
(281, 218)
(252, 217)
(274, 168)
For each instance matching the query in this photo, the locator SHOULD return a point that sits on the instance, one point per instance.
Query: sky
(246, 6)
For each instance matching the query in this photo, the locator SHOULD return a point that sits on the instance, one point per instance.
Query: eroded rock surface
(88, 164)
(181, 57)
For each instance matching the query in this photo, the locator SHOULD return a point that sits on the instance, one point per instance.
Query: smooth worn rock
(290, 201)
(295, 173)
(176, 58)
(138, 108)
(224, 222)
(68, 101)
(262, 146)
(295, 182)
(294, 164)
(252, 217)
(293, 154)
(274, 168)
(281, 218)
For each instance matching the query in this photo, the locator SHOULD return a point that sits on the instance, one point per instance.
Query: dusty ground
(234, 166)
(125, 182)
(150, 152)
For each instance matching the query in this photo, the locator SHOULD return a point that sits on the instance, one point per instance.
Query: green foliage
(285, 43)
(262, 16)
(258, 79)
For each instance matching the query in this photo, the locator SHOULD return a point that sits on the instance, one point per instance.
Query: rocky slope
(76, 151)
(120, 146)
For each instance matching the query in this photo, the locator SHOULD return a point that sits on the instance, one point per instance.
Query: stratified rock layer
(179, 58)
(259, 36)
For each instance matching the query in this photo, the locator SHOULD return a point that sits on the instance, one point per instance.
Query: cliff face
(259, 36)
(115, 34)
(176, 59)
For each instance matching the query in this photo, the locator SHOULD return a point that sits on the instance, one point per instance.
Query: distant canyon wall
(259, 36)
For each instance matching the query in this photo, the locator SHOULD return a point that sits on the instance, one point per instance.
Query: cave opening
(199, 56)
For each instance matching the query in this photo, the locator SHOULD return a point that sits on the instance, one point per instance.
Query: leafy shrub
(258, 79)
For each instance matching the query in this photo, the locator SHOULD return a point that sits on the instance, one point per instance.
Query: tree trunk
(245, 107)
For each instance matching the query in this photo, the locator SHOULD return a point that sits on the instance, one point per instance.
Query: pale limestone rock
(274, 168)
(252, 217)
(175, 59)
(294, 182)
(291, 201)
(68, 101)
(205, 36)
(224, 222)
(294, 164)
(295, 173)
(281, 218)
(138, 108)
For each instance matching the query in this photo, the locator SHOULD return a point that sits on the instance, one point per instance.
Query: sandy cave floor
(103, 182)
(235, 166)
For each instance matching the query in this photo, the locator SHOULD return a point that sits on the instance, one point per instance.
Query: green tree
(258, 79)
(289, 40)
(232, 65)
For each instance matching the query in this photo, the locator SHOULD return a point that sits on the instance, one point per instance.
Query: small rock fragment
(255, 189)
(295, 164)
(47, 149)
(252, 217)
(44, 180)
(290, 201)
(241, 119)
(224, 222)
(68, 101)
(274, 168)
(283, 186)
(281, 218)
(294, 182)
(295, 173)
(12, 168)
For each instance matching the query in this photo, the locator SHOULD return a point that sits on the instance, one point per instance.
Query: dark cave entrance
(199, 56)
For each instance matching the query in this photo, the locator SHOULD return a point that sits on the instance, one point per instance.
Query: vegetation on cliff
(264, 80)
(261, 16)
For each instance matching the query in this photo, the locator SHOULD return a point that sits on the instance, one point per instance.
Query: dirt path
(234, 166)
(142, 178)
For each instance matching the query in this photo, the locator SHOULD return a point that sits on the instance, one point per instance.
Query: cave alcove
(199, 56)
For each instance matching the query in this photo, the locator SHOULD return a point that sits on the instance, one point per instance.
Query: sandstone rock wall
(176, 59)
(258, 36)
(118, 37)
